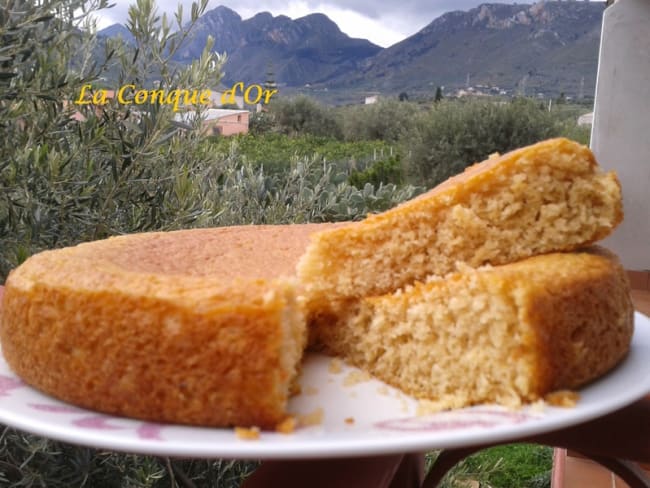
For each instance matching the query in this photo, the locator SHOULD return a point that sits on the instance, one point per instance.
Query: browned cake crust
(547, 197)
(208, 326)
(507, 334)
(195, 327)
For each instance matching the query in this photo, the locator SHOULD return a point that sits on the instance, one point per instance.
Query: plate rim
(317, 446)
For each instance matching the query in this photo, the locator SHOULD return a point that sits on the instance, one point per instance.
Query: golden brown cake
(507, 334)
(197, 327)
(208, 326)
(547, 197)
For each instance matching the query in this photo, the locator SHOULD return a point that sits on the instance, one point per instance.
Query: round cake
(195, 327)
(208, 326)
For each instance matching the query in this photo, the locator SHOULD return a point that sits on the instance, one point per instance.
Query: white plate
(384, 420)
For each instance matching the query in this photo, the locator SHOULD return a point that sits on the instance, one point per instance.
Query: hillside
(545, 48)
(306, 50)
(548, 47)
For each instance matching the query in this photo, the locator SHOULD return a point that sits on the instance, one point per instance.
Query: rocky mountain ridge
(545, 48)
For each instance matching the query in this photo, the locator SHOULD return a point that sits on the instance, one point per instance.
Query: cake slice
(547, 197)
(507, 334)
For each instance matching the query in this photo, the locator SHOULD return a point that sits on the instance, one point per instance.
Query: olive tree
(72, 172)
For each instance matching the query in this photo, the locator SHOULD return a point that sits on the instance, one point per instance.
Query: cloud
(352, 22)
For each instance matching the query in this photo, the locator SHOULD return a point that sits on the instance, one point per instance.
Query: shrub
(260, 123)
(274, 151)
(31, 461)
(387, 120)
(302, 115)
(63, 181)
(453, 135)
(379, 173)
(311, 190)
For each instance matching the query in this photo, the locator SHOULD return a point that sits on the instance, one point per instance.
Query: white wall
(621, 130)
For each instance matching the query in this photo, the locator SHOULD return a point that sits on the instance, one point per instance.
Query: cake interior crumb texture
(548, 197)
(507, 334)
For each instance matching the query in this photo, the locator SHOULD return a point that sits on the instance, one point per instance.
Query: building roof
(219, 97)
(207, 115)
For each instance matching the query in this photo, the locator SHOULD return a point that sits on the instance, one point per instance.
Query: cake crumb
(427, 407)
(335, 366)
(247, 433)
(404, 405)
(349, 420)
(538, 407)
(313, 418)
(383, 390)
(287, 426)
(355, 377)
(311, 390)
(295, 389)
(562, 398)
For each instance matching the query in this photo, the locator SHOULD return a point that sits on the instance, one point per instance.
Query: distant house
(218, 121)
(472, 92)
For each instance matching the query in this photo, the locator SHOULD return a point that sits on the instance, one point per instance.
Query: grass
(507, 466)
(32, 461)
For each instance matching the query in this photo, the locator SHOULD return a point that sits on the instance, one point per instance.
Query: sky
(383, 22)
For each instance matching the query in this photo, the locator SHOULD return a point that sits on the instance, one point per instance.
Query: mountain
(306, 50)
(547, 47)
(116, 30)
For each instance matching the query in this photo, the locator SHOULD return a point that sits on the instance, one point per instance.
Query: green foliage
(454, 135)
(64, 181)
(274, 151)
(379, 173)
(302, 115)
(260, 123)
(570, 129)
(235, 192)
(387, 120)
(520, 465)
(198, 188)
